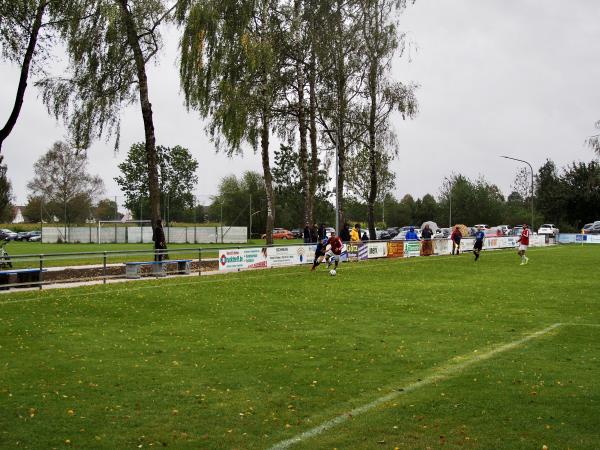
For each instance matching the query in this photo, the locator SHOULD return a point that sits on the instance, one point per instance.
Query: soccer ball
(332, 272)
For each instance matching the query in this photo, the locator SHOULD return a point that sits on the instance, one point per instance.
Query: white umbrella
(432, 225)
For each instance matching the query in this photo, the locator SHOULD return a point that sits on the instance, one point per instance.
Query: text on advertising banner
(244, 258)
(395, 249)
(377, 249)
(412, 248)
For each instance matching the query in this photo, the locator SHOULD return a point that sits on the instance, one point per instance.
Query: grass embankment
(247, 360)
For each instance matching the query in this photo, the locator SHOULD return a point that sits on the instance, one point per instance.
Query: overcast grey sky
(513, 77)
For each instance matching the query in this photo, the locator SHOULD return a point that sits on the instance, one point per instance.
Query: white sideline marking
(444, 373)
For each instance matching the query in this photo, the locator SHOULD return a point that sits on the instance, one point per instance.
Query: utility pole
(530, 168)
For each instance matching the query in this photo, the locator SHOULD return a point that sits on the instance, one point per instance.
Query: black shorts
(478, 245)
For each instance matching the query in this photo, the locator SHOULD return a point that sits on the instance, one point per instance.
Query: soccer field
(409, 353)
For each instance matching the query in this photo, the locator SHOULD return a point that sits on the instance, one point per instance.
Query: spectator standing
(345, 233)
(314, 234)
(322, 232)
(355, 234)
(427, 247)
(160, 244)
(411, 235)
(306, 234)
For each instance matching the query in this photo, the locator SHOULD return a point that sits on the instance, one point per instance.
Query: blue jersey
(321, 246)
(479, 236)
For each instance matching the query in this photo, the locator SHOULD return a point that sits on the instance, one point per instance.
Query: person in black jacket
(345, 233)
(322, 232)
(427, 246)
(160, 244)
(306, 234)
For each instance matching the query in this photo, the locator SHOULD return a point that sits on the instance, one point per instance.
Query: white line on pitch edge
(443, 374)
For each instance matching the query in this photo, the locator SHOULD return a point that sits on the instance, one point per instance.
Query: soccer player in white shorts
(524, 244)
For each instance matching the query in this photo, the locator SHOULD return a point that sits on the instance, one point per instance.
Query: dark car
(595, 228)
(393, 232)
(22, 236)
(298, 233)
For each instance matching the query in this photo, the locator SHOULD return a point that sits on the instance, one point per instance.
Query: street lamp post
(530, 168)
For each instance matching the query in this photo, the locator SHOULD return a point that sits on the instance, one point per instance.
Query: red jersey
(336, 245)
(524, 237)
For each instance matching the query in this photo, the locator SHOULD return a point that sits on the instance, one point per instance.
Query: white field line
(443, 373)
(360, 265)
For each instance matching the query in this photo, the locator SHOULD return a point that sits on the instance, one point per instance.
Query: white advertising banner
(243, 258)
(288, 256)
(377, 249)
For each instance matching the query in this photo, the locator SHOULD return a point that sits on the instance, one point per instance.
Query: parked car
(548, 228)
(393, 232)
(34, 236)
(494, 232)
(516, 230)
(504, 228)
(22, 236)
(280, 233)
(7, 235)
(442, 233)
(297, 233)
(595, 228)
(382, 235)
(328, 231)
(587, 228)
(483, 226)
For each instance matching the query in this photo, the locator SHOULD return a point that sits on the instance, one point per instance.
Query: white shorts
(330, 255)
(523, 248)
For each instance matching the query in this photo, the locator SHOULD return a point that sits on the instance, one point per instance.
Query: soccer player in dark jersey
(335, 250)
(319, 253)
(478, 242)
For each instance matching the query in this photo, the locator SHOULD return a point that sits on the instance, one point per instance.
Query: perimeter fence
(119, 234)
(38, 270)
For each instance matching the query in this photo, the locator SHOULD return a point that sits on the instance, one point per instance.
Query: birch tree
(108, 52)
(230, 72)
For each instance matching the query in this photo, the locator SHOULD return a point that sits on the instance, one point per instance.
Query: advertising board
(412, 248)
(288, 256)
(244, 258)
(357, 251)
(395, 249)
(377, 249)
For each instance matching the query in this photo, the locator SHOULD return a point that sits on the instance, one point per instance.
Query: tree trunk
(264, 144)
(341, 119)
(303, 154)
(22, 86)
(314, 151)
(372, 83)
(301, 112)
(146, 106)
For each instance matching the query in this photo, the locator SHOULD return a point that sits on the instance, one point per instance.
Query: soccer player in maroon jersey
(335, 250)
(523, 244)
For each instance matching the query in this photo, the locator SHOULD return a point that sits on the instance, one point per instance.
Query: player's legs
(328, 256)
(336, 259)
(477, 249)
(317, 261)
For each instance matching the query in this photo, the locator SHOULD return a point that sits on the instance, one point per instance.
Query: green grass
(17, 248)
(250, 359)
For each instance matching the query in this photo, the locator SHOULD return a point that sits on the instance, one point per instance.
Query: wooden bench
(159, 268)
(23, 276)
